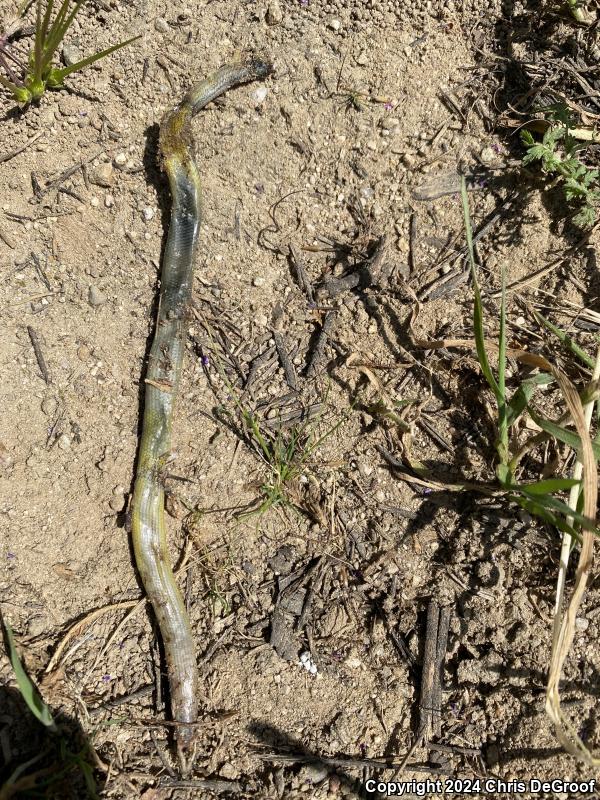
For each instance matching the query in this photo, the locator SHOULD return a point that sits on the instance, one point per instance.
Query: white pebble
(64, 441)
(260, 94)
(94, 202)
(335, 24)
(148, 213)
(120, 159)
(109, 201)
(307, 662)
(258, 281)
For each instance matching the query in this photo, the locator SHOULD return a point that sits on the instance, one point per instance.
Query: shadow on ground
(38, 762)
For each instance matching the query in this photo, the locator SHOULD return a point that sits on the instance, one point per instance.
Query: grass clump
(27, 77)
(576, 517)
(285, 455)
(538, 498)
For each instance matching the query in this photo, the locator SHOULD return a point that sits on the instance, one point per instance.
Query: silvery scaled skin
(162, 378)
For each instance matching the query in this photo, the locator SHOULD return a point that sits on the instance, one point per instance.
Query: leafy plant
(558, 155)
(27, 78)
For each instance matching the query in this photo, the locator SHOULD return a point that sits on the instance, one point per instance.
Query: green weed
(539, 497)
(286, 456)
(558, 155)
(27, 78)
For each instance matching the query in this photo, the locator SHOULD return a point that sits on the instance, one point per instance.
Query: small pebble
(364, 469)
(274, 15)
(36, 626)
(581, 623)
(94, 202)
(83, 352)
(103, 175)
(390, 123)
(49, 406)
(261, 320)
(71, 54)
(315, 773)
(64, 441)
(259, 95)
(161, 25)
(487, 155)
(148, 213)
(363, 58)
(95, 296)
(116, 503)
(6, 460)
(228, 771)
(335, 25)
(258, 281)
(120, 159)
(109, 201)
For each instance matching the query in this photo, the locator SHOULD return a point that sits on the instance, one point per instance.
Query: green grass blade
(503, 470)
(57, 76)
(28, 690)
(38, 47)
(548, 486)
(566, 340)
(60, 26)
(535, 509)
(478, 307)
(521, 398)
(12, 87)
(562, 434)
(46, 22)
(553, 504)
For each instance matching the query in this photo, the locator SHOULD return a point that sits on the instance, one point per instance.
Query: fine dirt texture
(307, 559)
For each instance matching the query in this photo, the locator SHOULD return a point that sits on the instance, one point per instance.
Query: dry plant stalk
(564, 620)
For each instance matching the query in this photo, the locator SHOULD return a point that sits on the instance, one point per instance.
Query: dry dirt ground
(370, 106)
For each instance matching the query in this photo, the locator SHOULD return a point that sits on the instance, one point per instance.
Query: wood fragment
(143, 691)
(18, 150)
(265, 359)
(319, 348)
(37, 349)
(436, 641)
(348, 763)
(54, 184)
(216, 786)
(296, 417)
(412, 246)
(288, 367)
(301, 274)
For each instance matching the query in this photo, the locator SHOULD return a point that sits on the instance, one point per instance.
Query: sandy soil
(369, 103)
